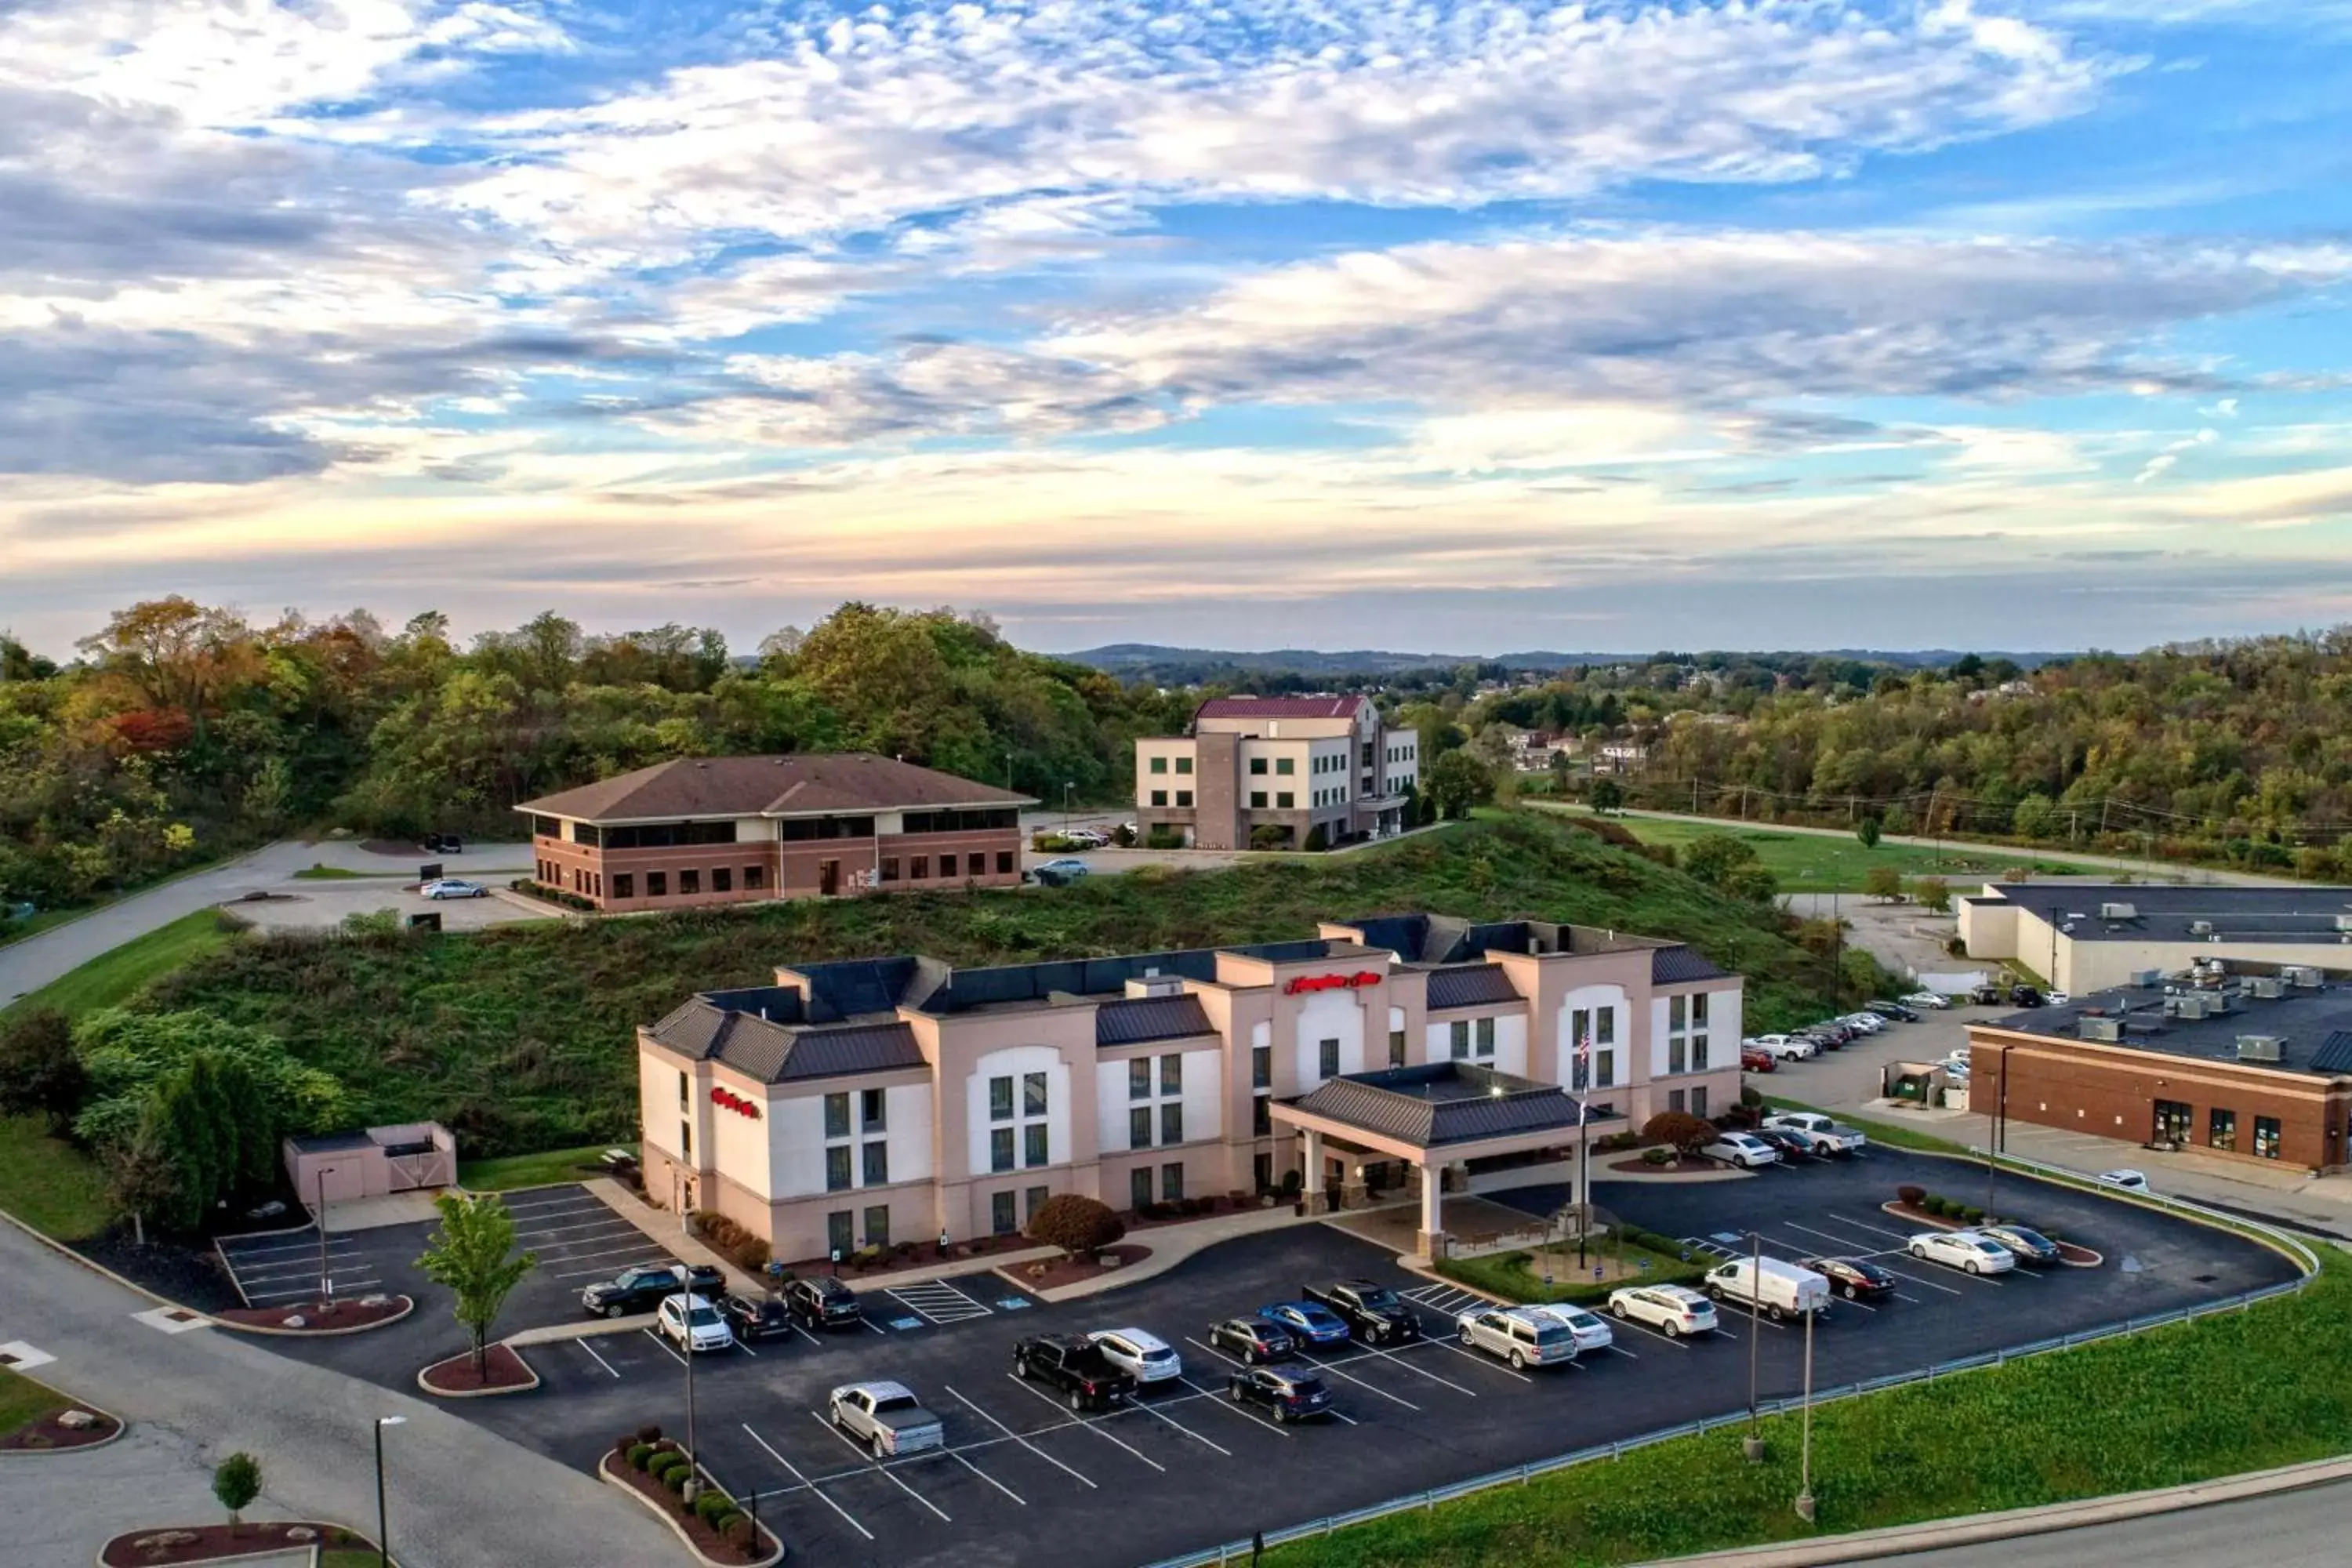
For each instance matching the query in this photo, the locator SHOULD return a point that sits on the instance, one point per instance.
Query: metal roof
(781, 1053)
(801, 784)
(2335, 1053)
(1139, 1018)
(2159, 913)
(1673, 965)
(1471, 985)
(1279, 708)
(1445, 1102)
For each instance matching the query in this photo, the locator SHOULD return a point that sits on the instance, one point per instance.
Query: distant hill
(1137, 658)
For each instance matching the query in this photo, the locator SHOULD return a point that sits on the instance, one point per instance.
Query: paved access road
(2293, 1530)
(459, 1495)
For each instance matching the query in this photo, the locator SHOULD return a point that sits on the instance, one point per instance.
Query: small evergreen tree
(235, 1484)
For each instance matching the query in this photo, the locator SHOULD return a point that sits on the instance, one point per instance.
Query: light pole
(1996, 1108)
(383, 1536)
(1066, 787)
(326, 1281)
(693, 1487)
(1805, 1460)
(1753, 1444)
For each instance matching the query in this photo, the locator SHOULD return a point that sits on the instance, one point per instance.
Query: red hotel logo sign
(1362, 977)
(735, 1102)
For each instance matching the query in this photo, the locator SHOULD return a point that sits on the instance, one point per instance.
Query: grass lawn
(338, 873)
(1811, 863)
(1517, 1275)
(113, 978)
(540, 1170)
(23, 1402)
(49, 1183)
(2188, 1403)
(350, 1557)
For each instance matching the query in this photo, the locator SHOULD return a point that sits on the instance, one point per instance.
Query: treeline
(184, 729)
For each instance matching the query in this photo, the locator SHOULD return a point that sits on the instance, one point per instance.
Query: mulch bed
(205, 1542)
(707, 1540)
(339, 1316)
(505, 1369)
(1068, 1271)
(1679, 1168)
(46, 1436)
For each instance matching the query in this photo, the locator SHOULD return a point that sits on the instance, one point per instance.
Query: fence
(1519, 1475)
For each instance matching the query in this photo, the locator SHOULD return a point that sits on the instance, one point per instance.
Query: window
(877, 1164)
(1171, 1121)
(686, 1139)
(666, 834)
(1328, 1051)
(1698, 1101)
(839, 1236)
(872, 1105)
(1032, 1144)
(1138, 1128)
(1677, 1015)
(1257, 800)
(1283, 800)
(1698, 1011)
(1261, 1170)
(918, 868)
(1699, 1053)
(1396, 1048)
(2266, 1137)
(947, 866)
(836, 1116)
(877, 1225)
(1261, 1067)
(1677, 1054)
(1262, 1116)
(1459, 1038)
(1032, 1199)
(684, 1090)
(1604, 1067)
(754, 878)
(1160, 797)
(1139, 1078)
(799, 829)
(1257, 767)
(837, 1168)
(1000, 1099)
(722, 879)
(1171, 1074)
(1159, 764)
(689, 882)
(890, 869)
(1138, 1188)
(1000, 1149)
(1172, 1182)
(1183, 797)
(1485, 1036)
(1604, 1027)
(1183, 764)
(1284, 766)
(1033, 1094)
(1675, 1098)
(2221, 1128)
(1004, 862)
(657, 884)
(1000, 1214)
(2173, 1121)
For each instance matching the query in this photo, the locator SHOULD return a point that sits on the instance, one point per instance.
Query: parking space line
(1017, 1437)
(599, 1360)
(1674, 1340)
(984, 1476)
(1227, 1402)
(1420, 1370)
(1487, 1362)
(1094, 1427)
(1865, 1224)
(584, 1273)
(1338, 1415)
(1915, 1280)
(878, 1467)
(541, 1233)
(806, 1335)
(850, 1518)
(664, 1345)
(1374, 1387)
(1620, 1350)
(1163, 1415)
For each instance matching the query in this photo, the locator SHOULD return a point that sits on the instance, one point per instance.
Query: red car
(1758, 1061)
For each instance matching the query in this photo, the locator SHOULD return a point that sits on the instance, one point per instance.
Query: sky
(1449, 325)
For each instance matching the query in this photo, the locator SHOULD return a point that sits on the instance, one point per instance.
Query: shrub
(754, 1255)
(1680, 1128)
(710, 1505)
(623, 1443)
(1973, 1215)
(663, 1462)
(1661, 1155)
(1267, 835)
(675, 1477)
(640, 1456)
(1073, 1223)
(1910, 1194)
(1751, 1097)
(649, 1433)
(737, 1531)
(1291, 1182)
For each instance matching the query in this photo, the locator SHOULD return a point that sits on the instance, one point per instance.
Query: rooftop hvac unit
(2109, 1029)
(2260, 1047)
(2302, 976)
(2147, 979)
(2201, 928)
(2268, 987)
(2343, 922)
(2189, 1004)
(1156, 985)
(2118, 912)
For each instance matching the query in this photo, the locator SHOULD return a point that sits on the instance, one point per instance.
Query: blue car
(1308, 1323)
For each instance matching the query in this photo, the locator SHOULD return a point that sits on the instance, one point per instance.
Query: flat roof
(2312, 1025)
(2163, 912)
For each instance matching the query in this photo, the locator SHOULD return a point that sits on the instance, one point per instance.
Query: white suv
(1150, 1358)
(1671, 1310)
(693, 1323)
(1520, 1335)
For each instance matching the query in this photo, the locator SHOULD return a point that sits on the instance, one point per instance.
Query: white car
(453, 888)
(1784, 1047)
(1868, 1023)
(1743, 1150)
(1136, 1350)
(1823, 1134)
(1962, 1249)
(692, 1323)
(1673, 1310)
(2055, 999)
(2129, 1180)
(1085, 838)
(1590, 1329)
(1935, 999)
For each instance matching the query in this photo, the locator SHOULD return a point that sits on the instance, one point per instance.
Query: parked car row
(1804, 1045)
(1786, 1135)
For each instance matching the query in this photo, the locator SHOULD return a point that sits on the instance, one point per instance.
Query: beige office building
(1272, 772)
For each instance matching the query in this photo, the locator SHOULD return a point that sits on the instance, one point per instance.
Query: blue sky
(1473, 326)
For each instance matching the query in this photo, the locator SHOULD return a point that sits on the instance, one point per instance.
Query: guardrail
(1519, 1475)
(2284, 1240)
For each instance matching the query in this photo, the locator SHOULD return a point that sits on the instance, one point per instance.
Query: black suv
(823, 1302)
(2024, 996)
(1895, 1012)
(757, 1317)
(642, 1288)
(1292, 1392)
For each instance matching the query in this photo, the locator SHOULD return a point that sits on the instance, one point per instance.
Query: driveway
(459, 1495)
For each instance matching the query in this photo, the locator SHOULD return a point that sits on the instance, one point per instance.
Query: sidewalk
(1173, 1244)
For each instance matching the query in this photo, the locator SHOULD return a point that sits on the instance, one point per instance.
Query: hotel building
(1292, 764)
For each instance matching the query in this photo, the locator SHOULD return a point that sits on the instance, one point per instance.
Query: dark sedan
(1793, 1146)
(2029, 1244)
(1895, 1011)
(1254, 1340)
(757, 1317)
(1854, 1279)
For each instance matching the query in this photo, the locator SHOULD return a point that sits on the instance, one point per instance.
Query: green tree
(1606, 795)
(236, 1483)
(2033, 817)
(472, 1253)
(1883, 882)
(1935, 894)
(40, 1075)
(140, 1180)
(1458, 782)
(1867, 831)
(1712, 858)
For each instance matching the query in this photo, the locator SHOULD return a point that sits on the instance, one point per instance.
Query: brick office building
(1292, 765)
(719, 830)
(2250, 1063)
(897, 1099)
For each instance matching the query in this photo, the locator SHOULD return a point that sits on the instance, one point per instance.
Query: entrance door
(828, 877)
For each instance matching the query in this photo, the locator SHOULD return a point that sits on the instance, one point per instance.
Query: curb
(275, 1554)
(479, 1393)
(120, 1426)
(2049, 1519)
(410, 1306)
(604, 1474)
(65, 1251)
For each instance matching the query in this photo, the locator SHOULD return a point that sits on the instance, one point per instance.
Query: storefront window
(2266, 1137)
(2221, 1128)
(2173, 1121)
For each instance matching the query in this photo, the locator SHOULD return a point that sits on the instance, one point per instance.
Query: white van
(1768, 1285)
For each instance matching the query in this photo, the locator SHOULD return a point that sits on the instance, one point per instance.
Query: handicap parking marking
(19, 1356)
(806, 1484)
(885, 1471)
(1017, 1437)
(939, 1302)
(904, 1324)
(1094, 1425)
(598, 1359)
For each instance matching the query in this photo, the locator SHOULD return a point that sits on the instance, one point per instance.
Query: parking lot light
(383, 1532)
(1805, 1460)
(1753, 1444)
(693, 1487)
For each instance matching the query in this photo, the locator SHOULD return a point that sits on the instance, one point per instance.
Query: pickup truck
(1825, 1134)
(886, 1418)
(1374, 1313)
(641, 1289)
(1077, 1366)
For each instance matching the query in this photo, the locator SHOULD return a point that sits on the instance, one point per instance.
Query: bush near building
(1075, 1223)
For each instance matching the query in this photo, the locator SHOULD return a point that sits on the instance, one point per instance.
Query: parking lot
(1022, 1479)
(276, 1267)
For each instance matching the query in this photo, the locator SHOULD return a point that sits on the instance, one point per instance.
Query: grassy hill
(520, 1037)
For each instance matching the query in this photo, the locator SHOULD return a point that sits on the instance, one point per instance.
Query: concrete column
(1314, 1158)
(1431, 1241)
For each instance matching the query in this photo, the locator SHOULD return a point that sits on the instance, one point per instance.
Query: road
(2292, 1529)
(458, 1496)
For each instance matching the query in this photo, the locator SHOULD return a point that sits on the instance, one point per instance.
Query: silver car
(1520, 1335)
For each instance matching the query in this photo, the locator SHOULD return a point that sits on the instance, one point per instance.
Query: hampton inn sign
(1302, 983)
(728, 1100)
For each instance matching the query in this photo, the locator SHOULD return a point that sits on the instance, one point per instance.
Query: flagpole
(1582, 1057)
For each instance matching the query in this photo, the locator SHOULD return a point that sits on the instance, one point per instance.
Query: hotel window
(1160, 797)
(872, 1104)
(1281, 800)
(2221, 1128)
(1032, 1144)
(684, 1090)
(624, 884)
(890, 869)
(1675, 1098)
(1139, 1078)
(1000, 1149)
(877, 1225)
(1183, 764)
(1172, 1183)
(1262, 1169)
(837, 1168)
(1032, 1199)
(1171, 1121)
(1328, 1053)
(1033, 1094)
(918, 868)
(1396, 1048)
(1604, 1068)
(838, 1234)
(689, 882)
(1138, 1188)
(1458, 1038)
(1698, 1101)
(1257, 766)
(1183, 797)
(877, 1164)
(1257, 800)
(1000, 1099)
(686, 1139)
(1004, 862)
(1171, 1074)
(2266, 1137)
(1138, 1128)
(836, 1116)
(1261, 1067)
(1677, 1054)
(1262, 1116)
(1159, 764)
(657, 884)
(947, 866)
(1485, 1036)
(722, 879)
(1284, 766)
(1001, 1220)
(754, 878)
